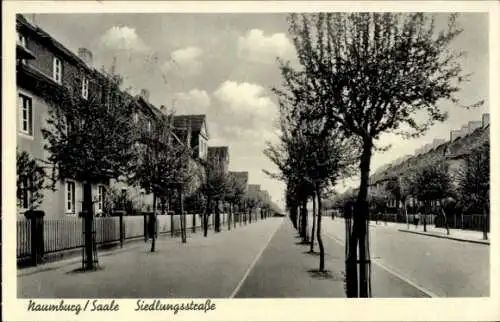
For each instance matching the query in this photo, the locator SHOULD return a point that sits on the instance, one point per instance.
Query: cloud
(184, 61)
(123, 39)
(257, 47)
(193, 102)
(247, 103)
(242, 116)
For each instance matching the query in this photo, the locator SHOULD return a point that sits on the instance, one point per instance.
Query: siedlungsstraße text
(141, 305)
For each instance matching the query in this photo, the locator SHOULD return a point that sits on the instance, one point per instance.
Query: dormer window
(57, 70)
(85, 87)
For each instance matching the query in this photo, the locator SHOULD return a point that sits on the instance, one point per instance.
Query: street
(439, 267)
(267, 260)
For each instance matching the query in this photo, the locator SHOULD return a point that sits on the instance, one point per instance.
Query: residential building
(43, 67)
(199, 133)
(453, 152)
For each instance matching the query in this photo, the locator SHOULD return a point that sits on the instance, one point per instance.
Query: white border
(455, 309)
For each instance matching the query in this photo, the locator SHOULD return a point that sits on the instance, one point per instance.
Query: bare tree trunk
(313, 224)
(360, 234)
(427, 209)
(183, 216)
(205, 218)
(230, 215)
(318, 233)
(485, 224)
(153, 224)
(234, 218)
(217, 217)
(89, 225)
(304, 220)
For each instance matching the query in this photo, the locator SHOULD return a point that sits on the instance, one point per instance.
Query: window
(70, 197)
(149, 126)
(26, 114)
(100, 200)
(25, 197)
(136, 117)
(21, 39)
(85, 87)
(57, 70)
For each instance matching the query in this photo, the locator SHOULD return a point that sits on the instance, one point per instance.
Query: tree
(372, 73)
(213, 188)
(378, 200)
(189, 176)
(155, 163)
(89, 139)
(400, 188)
(30, 181)
(310, 155)
(474, 183)
(433, 183)
(235, 194)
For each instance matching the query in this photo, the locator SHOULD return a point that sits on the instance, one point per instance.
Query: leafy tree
(214, 189)
(400, 188)
(433, 183)
(30, 181)
(377, 200)
(89, 139)
(311, 155)
(474, 183)
(235, 195)
(372, 73)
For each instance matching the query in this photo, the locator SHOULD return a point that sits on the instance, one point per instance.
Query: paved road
(438, 267)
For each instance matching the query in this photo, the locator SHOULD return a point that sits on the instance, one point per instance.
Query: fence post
(172, 223)
(36, 222)
(194, 223)
(122, 230)
(146, 235)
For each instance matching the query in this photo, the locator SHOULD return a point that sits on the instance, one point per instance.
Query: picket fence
(67, 233)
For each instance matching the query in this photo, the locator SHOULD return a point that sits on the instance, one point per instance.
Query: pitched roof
(196, 121)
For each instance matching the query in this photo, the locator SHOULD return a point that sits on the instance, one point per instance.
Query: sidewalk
(472, 236)
(204, 267)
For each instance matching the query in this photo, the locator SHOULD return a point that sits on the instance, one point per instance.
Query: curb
(483, 242)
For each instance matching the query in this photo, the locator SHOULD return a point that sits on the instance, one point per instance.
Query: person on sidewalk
(416, 219)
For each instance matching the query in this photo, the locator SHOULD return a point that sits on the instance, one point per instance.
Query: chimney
(145, 94)
(455, 134)
(473, 125)
(486, 119)
(86, 56)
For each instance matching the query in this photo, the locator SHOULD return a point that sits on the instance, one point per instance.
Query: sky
(224, 66)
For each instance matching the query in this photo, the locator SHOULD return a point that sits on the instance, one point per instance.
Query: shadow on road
(327, 275)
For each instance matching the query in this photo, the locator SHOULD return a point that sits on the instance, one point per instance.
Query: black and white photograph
(167, 160)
